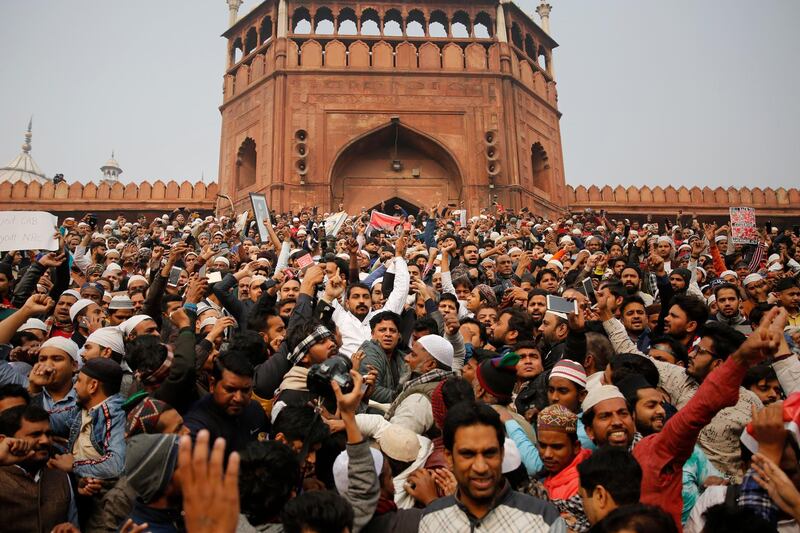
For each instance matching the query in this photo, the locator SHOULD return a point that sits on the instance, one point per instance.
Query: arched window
(544, 64)
(348, 23)
(370, 22)
(415, 24)
(530, 47)
(439, 26)
(301, 21)
(236, 51)
(246, 164)
(539, 167)
(250, 41)
(483, 26)
(393, 23)
(516, 36)
(462, 27)
(323, 21)
(266, 30)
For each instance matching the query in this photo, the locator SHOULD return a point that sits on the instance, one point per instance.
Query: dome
(23, 167)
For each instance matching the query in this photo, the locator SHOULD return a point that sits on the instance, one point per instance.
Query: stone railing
(378, 55)
(78, 197)
(668, 200)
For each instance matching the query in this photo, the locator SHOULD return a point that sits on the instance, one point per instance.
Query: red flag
(383, 221)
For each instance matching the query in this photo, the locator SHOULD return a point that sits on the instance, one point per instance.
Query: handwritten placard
(28, 230)
(743, 225)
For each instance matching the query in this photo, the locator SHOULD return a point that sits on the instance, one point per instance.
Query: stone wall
(705, 201)
(77, 198)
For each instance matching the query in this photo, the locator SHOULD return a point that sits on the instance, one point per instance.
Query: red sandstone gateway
(449, 101)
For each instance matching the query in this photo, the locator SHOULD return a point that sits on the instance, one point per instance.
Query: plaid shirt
(755, 498)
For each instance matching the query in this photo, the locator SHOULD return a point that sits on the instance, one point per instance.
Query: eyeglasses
(697, 350)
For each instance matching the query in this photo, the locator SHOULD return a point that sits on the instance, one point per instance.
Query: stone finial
(26, 146)
(544, 13)
(233, 11)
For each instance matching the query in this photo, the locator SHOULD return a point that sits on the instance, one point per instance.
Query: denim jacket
(107, 437)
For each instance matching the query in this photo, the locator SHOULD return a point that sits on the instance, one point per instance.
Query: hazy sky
(659, 92)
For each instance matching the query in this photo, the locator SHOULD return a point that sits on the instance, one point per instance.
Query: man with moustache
(474, 442)
(631, 277)
(608, 418)
(633, 314)
(23, 484)
(352, 321)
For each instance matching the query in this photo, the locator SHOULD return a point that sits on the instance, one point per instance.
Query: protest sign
(241, 220)
(28, 230)
(383, 221)
(334, 223)
(261, 215)
(743, 225)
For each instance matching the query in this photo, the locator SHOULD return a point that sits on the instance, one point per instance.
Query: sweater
(663, 454)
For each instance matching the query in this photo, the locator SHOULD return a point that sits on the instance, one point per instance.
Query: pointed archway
(394, 161)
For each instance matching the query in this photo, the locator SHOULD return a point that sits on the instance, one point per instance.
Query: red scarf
(385, 505)
(565, 484)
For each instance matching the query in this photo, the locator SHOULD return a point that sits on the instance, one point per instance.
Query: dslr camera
(336, 368)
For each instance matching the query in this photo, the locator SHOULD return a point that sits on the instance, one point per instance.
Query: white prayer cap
(113, 267)
(64, 344)
(439, 348)
(79, 306)
(556, 263)
(72, 292)
(110, 337)
(129, 325)
(729, 273)
(222, 259)
(711, 300)
(208, 321)
(136, 277)
(773, 258)
(720, 238)
(120, 302)
(514, 250)
(775, 267)
(752, 278)
(600, 394)
(341, 478)
(258, 280)
(33, 323)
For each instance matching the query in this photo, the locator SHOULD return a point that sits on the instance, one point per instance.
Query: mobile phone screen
(588, 288)
(174, 275)
(558, 304)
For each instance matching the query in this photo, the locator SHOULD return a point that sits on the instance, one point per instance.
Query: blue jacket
(108, 437)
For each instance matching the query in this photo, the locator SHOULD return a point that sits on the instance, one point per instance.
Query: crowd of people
(442, 373)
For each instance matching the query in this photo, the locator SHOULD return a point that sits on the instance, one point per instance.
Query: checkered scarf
(319, 334)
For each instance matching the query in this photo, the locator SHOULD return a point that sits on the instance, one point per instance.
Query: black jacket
(249, 426)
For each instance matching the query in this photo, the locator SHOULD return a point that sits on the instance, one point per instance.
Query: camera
(336, 368)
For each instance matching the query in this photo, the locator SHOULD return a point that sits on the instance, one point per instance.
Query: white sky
(678, 92)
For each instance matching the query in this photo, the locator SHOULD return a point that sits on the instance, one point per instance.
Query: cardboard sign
(261, 214)
(743, 225)
(334, 223)
(28, 230)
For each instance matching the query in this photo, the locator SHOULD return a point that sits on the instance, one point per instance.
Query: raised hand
(451, 324)
(210, 492)
(37, 304)
(765, 340)
(196, 289)
(52, 259)
(781, 489)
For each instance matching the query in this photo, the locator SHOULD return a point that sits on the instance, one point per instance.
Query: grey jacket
(391, 371)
